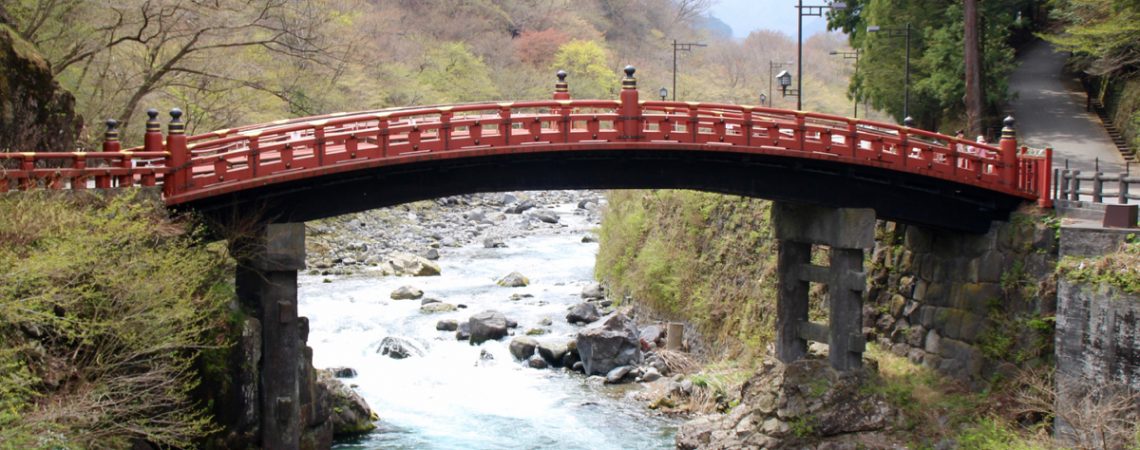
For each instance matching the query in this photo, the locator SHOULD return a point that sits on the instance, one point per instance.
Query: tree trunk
(973, 65)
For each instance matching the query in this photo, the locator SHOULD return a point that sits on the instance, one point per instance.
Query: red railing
(195, 167)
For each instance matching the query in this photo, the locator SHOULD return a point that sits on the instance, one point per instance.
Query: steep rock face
(35, 113)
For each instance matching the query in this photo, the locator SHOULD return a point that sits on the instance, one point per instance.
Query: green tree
(589, 73)
(1101, 33)
(454, 74)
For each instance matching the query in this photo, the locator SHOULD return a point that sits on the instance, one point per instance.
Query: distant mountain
(714, 26)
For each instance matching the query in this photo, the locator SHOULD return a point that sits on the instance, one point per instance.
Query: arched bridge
(313, 167)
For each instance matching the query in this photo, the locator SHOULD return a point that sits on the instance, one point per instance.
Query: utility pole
(973, 65)
(683, 46)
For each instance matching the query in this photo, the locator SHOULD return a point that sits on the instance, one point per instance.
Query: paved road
(1050, 112)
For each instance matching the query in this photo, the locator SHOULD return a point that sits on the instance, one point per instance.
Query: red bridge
(301, 169)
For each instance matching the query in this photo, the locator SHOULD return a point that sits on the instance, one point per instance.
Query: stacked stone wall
(968, 306)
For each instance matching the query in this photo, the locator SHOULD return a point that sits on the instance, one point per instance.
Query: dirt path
(1050, 111)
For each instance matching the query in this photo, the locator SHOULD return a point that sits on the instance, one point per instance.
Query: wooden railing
(194, 167)
(1097, 187)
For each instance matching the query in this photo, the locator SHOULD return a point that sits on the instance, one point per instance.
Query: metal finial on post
(629, 82)
(908, 122)
(111, 136)
(152, 123)
(561, 88)
(176, 126)
(152, 140)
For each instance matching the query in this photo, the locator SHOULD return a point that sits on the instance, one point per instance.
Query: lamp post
(663, 93)
(682, 46)
(851, 55)
(810, 11)
(772, 66)
(904, 32)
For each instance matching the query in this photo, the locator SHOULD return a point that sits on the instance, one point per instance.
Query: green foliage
(936, 52)
(1102, 33)
(991, 434)
(1120, 269)
(103, 313)
(586, 64)
(455, 74)
(803, 426)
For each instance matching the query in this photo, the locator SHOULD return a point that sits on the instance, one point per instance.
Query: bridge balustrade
(192, 167)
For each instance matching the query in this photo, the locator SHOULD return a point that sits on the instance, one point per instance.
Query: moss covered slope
(706, 258)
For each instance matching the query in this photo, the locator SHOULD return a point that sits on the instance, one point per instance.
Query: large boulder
(521, 206)
(546, 216)
(553, 352)
(583, 313)
(487, 326)
(522, 347)
(351, 415)
(407, 293)
(514, 279)
(613, 344)
(409, 264)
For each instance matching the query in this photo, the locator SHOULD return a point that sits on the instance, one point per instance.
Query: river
(454, 397)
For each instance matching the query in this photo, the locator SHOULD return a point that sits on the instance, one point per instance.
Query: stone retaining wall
(966, 305)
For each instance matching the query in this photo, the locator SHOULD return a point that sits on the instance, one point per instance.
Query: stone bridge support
(266, 279)
(847, 232)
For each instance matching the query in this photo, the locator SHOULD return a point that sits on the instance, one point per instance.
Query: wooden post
(1009, 153)
(178, 170)
(1045, 200)
(630, 109)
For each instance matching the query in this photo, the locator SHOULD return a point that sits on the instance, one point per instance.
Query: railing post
(1044, 199)
(562, 94)
(1075, 185)
(178, 168)
(111, 144)
(630, 110)
(1122, 191)
(561, 88)
(1009, 153)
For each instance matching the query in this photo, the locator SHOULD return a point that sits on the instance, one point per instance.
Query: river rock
(447, 325)
(589, 239)
(494, 242)
(536, 362)
(463, 331)
(553, 352)
(520, 207)
(546, 216)
(593, 291)
(342, 372)
(583, 313)
(398, 348)
(409, 264)
(617, 374)
(428, 301)
(613, 344)
(487, 326)
(351, 415)
(407, 293)
(523, 347)
(514, 279)
(432, 308)
(653, 335)
(650, 375)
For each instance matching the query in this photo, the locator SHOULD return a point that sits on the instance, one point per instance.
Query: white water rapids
(450, 398)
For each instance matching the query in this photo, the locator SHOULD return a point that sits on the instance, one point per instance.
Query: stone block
(926, 267)
(906, 286)
(990, 266)
(838, 227)
(900, 349)
(932, 342)
(917, 239)
(936, 294)
(920, 287)
(931, 361)
(915, 336)
(897, 304)
(972, 325)
(910, 311)
(950, 322)
(927, 314)
(915, 355)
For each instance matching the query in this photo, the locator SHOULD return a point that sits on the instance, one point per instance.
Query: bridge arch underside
(899, 196)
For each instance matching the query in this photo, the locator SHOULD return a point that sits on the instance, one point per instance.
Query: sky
(780, 15)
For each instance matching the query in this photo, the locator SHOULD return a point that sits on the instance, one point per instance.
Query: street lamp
(904, 32)
(663, 93)
(811, 11)
(851, 55)
(682, 46)
(784, 79)
(763, 99)
(772, 66)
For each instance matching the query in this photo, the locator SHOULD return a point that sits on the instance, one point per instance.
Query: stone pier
(266, 280)
(847, 232)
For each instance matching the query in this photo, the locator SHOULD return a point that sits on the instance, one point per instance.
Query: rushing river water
(451, 398)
